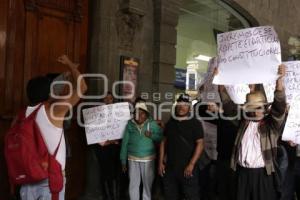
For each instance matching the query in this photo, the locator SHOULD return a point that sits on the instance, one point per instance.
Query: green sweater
(136, 144)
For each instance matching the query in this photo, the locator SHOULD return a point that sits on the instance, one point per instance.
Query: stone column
(166, 15)
(115, 29)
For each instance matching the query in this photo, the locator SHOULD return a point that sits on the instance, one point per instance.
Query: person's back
(50, 119)
(50, 133)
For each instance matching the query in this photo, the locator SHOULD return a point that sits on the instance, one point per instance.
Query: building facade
(166, 35)
(163, 35)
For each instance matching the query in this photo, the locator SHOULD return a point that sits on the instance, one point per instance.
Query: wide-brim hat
(142, 106)
(254, 100)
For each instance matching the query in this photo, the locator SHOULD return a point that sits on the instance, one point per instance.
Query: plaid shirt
(269, 129)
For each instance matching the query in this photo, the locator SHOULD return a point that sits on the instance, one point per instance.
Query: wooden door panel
(37, 32)
(49, 50)
(3, 39)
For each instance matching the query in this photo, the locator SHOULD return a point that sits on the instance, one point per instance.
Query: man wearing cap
(256, 143)
(138, 148)
(180, 152)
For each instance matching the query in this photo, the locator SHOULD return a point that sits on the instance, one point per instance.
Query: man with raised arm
(50, 118)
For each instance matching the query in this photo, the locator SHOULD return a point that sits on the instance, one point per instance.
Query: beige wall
(284, 15)
(114, 33)
(155, 35)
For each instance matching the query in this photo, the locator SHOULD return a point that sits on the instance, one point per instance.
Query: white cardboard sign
(238, 93)
(269, 91)
(106, 122)
(248, 56)
(292, 79)
(291, 130)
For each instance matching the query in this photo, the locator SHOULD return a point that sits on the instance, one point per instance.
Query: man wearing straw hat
(254, 153)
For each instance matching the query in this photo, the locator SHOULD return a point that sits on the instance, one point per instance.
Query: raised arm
(278, 107)
(62, 106)
(74, 75)
(228, 107)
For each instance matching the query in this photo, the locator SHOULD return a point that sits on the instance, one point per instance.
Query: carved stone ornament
(128, 25)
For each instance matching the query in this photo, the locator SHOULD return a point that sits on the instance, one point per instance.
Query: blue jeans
(39, 191)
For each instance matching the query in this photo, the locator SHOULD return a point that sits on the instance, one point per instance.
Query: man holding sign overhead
(255, 149)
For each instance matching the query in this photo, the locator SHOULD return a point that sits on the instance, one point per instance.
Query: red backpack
(27, 157)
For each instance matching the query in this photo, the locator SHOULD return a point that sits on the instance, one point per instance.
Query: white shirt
(250, 154)
(51, 134)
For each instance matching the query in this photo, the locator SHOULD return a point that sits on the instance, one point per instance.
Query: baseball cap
(184, 98)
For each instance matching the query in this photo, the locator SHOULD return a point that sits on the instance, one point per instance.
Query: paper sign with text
(248, 56)
(269, 91)
(238, 93)
(210, 91)
(292, 126)
(106, 122)
(292, 79)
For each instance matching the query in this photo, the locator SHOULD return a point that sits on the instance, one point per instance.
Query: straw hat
(255, 100)
(142, 106)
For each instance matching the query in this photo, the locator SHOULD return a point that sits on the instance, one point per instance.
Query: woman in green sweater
(138, 148)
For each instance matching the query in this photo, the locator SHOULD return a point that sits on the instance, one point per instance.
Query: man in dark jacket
(226, 120)
(256, 144)
(228, 124)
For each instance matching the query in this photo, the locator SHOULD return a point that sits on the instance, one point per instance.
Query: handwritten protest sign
(210, 91)
(248, 56)
(269, 91)
(106, 122)
(210, 139)
(238, 93)
(292, 79)
(291, 130)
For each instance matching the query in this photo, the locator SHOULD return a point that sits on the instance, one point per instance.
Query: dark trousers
(226, 183)
(177, 187)
(291, 182)
(110, 171)
(297, 177)
(255, 184)
(208, 182)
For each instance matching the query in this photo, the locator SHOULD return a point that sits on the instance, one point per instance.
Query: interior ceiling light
(203, 58)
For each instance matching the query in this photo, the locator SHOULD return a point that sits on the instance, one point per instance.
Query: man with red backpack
(40, 128)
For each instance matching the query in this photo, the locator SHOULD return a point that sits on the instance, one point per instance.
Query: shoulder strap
(56, 150)
(34, 113)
